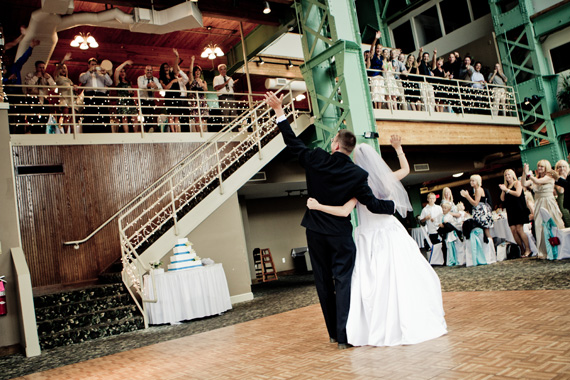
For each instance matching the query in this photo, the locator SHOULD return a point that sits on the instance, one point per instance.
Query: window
(403, 37)
(455, 14)
(480, 8)
(427, 26)
(559, 57)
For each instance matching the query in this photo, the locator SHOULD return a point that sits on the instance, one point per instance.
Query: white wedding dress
(396, 295)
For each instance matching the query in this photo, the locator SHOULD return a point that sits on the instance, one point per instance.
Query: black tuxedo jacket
(332, 179)
(565, 183)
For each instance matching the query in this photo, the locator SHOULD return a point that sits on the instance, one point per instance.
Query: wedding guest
(482, 213)
(171, 79)
(447, 196)
(198, 106)
(66, 88)
(375, 64)
(126, 104)
(560, 175)
(224, 86)
(11, 75)
(452, 66)
(517, 212)
(148, 85)
(543, 185)
(449, 234)
(95, 79)
(411, 84)
(38, 95)
(498, 78)
(430, 215)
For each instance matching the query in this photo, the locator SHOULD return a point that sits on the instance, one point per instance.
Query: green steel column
(526, 67)
(334, 68)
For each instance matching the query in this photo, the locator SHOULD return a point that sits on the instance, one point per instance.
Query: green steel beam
(553, 20)
(334, 69)
(521, 52)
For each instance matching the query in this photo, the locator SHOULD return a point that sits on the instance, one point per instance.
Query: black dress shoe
(332, 340)
(344, 346)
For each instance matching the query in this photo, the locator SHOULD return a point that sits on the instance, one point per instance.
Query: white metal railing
(434, 94)
(61, 109)
(160, 206)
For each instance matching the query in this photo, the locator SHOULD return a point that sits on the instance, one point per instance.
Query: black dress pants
(332, 258)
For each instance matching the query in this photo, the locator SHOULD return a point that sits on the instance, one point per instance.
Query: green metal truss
(334, 69)
(526, 67)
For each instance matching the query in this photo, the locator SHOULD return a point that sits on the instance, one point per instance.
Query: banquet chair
(486, 254)
(549, 230)
(531, 241)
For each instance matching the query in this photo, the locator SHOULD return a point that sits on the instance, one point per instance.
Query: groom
(332, 179)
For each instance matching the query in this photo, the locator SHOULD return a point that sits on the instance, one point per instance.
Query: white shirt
(228, 89)
(142, 81)
(435, 213)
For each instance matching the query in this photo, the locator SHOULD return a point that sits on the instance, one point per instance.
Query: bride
(396, 295)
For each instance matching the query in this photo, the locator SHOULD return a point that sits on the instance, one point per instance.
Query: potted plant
(564, 94)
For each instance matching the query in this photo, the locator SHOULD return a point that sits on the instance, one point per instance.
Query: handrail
(201, 148)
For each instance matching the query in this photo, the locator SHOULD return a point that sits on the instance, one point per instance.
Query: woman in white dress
(395, 295)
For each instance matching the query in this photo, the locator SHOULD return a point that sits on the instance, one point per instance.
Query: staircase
(85, 314)
(196, 187)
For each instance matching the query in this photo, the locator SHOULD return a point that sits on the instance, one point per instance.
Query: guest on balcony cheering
(498, 78)
(198, 106)
(171, 78)
(411, 84)
(375, 64)
(95, 79)
(224, 85)
(127, 107)
(66, 87)
(38, 96)
(148, 85)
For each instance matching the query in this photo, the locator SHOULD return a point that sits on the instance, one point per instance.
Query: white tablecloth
(187, 294)
(501, 229)
(419, 234)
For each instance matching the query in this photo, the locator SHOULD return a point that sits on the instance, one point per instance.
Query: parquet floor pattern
(492, 335)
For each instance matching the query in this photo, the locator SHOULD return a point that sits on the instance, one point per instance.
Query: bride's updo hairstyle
(346, 140)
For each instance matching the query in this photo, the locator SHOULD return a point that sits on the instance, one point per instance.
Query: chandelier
(84, 41)
(212, 51)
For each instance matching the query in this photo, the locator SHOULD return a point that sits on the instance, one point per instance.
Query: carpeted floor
(288, 293)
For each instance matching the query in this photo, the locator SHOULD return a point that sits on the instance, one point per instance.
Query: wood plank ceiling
(221, 19)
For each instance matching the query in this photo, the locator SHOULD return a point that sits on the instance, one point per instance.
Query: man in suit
(332, 179)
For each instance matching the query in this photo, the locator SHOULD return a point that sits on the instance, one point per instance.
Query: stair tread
(42, 308)
(78, 295)
(86, 333)
(75, 316)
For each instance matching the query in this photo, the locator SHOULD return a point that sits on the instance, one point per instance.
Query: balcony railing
(61, 109)
(441, 98)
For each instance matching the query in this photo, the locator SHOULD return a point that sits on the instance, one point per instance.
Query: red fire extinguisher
(3, 310)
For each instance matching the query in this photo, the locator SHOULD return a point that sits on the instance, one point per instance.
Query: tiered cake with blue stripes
(184, 256)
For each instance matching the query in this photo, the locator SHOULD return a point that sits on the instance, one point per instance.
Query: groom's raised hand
(274, 102)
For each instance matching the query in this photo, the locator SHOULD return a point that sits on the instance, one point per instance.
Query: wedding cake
(184, 257)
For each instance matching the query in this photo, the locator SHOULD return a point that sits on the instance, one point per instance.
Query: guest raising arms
(543, 185)
(126, 103)
(517, 211)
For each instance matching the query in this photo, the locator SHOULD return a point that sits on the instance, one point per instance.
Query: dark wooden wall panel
(97, 181)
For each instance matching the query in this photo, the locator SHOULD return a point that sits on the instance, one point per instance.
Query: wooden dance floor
(492, 335)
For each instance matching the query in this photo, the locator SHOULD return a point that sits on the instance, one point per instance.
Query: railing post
(460, 98)
(489, 101)
(219, 164)
(73, 121)
(141, 117)
(174, 218)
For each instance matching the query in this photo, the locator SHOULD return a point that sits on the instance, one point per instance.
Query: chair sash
(548, 232)
(477, 253)
(451, 249)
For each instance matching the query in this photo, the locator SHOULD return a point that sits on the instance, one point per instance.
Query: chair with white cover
(549, 230)
(527, 228)
(477, 252)
(435, 256)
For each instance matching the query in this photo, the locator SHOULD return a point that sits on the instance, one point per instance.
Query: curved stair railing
(161, 207)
